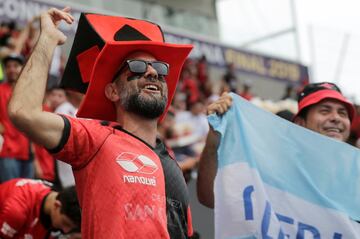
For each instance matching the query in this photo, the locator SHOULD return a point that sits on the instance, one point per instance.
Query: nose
(150, 71)
(335, 117)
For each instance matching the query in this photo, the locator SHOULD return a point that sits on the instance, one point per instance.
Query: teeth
(151, 87)
(334, 130)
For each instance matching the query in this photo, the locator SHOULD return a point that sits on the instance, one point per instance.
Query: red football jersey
(20, 205)
(120, 183)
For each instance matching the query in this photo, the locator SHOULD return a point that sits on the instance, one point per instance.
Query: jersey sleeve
(81, 140)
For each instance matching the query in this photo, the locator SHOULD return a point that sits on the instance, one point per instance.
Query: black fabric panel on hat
(128, 33)
(162, 33)
(314, 87)
(85, 38)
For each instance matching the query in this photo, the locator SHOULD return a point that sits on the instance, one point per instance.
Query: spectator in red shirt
(190, 87)
(246, 92)
(30, 209)
(14, 155)
(128, 184)
(202, 75)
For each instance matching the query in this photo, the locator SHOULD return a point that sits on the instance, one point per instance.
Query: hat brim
(320, 95)
(96, 105)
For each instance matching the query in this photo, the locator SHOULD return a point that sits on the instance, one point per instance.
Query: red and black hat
(316, 92)
(100, 46)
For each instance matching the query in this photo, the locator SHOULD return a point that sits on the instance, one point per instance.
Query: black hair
(11, 25)
(286, 114)
(70, 205)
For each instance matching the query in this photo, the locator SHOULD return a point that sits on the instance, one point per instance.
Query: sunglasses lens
(138, 67)
(161, 68)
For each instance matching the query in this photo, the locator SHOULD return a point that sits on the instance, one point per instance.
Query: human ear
(111, 92)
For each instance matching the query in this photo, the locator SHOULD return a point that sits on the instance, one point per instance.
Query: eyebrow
(327, 106)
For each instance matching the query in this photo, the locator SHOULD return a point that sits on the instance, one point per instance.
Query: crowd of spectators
(185, 127)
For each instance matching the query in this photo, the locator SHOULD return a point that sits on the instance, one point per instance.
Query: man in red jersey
(128, 185)
(30, 209)
(14, 154)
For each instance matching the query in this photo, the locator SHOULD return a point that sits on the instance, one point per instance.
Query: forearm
(29, 90)
(207, 171)
(25, 106)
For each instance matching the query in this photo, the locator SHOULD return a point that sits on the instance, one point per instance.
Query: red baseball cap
(316, 92)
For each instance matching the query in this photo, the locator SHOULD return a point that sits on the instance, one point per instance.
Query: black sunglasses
(140, 66)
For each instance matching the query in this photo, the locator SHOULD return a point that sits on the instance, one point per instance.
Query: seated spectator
(30, 209)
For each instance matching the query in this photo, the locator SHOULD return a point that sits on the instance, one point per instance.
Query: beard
(149, 106)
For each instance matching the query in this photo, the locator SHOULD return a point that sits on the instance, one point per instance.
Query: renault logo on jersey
(132, 163)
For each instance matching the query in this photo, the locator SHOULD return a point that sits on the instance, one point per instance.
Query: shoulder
(88, 123)
(24, 191)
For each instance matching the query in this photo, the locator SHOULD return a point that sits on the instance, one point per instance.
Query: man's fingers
(66, 9)
(58, 15)
(221, 105)
(219, 108)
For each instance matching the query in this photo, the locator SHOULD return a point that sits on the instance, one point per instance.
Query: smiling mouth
(333, 130)
(151, 87)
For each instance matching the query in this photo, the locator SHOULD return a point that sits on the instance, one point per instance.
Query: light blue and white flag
(278, 180)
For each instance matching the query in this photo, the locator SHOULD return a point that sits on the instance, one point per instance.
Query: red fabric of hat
(116, 38)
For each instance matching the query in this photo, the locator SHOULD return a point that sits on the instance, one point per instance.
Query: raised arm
(25, 106)
(208, 160)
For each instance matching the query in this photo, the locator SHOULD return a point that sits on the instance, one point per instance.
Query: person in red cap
(31, 209)
(128, 185)
(323, 109)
